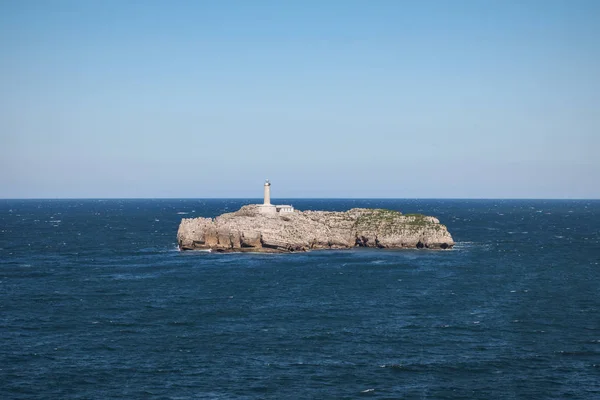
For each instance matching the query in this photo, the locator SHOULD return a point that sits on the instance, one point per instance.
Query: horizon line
(300, 198)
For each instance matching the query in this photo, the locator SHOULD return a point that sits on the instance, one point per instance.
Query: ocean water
(96, 302)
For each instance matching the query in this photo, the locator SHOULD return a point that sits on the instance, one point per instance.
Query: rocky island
(269, 228)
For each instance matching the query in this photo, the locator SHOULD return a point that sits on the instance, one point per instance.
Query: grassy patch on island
(390, 220)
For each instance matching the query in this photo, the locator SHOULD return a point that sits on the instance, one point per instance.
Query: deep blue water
(96, 302)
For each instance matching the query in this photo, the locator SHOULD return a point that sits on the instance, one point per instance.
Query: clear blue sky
(493, 99)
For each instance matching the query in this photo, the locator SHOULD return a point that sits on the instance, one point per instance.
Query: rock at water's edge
(249, 230)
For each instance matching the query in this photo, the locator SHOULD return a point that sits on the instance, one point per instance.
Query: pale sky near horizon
(417, 99)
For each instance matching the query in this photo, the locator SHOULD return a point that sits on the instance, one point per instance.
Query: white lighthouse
(270, 209)
(267, 193)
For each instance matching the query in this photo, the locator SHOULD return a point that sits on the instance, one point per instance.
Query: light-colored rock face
(250, 230)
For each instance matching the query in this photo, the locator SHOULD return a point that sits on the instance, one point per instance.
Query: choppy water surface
(96, 302)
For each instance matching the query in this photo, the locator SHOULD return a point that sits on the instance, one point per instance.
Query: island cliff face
(249, 230)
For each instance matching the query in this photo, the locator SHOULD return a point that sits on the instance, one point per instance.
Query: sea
(97, 302)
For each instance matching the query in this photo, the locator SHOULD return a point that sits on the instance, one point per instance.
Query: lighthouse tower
(267, 207)
(267, 193)
(270, 209)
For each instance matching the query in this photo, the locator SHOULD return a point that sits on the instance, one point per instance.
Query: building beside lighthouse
(270, 209)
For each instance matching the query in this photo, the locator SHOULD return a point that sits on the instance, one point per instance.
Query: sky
(329, 98)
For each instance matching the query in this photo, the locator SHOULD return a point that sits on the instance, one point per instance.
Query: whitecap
(182, 213)
(461, 245)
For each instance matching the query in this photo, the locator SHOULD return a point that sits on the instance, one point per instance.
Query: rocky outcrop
(249, 230)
